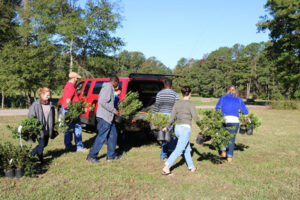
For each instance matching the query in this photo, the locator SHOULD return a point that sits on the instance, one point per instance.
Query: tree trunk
(26, 21)
(2, 99)
(248, 90)
(71, 56)
(28, 99)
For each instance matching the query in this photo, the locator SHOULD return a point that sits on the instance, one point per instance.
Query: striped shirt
(165, 100)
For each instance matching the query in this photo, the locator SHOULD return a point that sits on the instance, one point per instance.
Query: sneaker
(90, 159)
(115, 158)
(84, 150)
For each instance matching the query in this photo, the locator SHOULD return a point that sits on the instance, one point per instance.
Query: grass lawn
(266, 166)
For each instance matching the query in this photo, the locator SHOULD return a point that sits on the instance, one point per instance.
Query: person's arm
(105, 97)
(157, 102)
(243, 108)
(194, 112)
(32, 110)
(219, 104)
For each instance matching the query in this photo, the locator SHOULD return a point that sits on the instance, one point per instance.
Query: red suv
(147, 85)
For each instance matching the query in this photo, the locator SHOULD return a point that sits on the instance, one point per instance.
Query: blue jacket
(230, 105)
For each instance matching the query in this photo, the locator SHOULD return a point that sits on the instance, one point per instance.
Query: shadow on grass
(215, 159)
(240, 147)
(41, 168)
(129, 140)
(237, 147)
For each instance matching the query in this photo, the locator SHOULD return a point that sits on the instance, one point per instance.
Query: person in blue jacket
(230, 105)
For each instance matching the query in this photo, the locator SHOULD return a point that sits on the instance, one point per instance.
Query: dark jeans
(232, 128)
(38, 150)
(105, 130)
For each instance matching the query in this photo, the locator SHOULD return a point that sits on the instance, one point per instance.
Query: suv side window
(86, 89)
(79, 88)
(97, 87)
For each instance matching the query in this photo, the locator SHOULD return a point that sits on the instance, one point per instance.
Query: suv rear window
(147, 90)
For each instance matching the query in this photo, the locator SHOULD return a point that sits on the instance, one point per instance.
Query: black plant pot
(243, 129)
(250, 131)
(118, 119)
(167, 136)
(18, 173)
(200, 139)
(10, 173)
(160, 136)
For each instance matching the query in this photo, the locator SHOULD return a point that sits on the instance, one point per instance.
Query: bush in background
(285, 105)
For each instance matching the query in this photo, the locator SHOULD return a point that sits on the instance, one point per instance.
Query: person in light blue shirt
(230, 105)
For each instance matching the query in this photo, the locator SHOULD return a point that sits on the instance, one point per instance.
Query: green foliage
(159, 120)
(212, 125)
(283, 22)
(75, 109)
(12, 156)
(251, 121)
(285, 105)
(130, 105)
(31, 128)
(7, 154)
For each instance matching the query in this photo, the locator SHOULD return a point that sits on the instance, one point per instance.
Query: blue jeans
(168, 147)
(183, 134)
(105, 129)
(39, 149)
(232, 128)
(75, 128)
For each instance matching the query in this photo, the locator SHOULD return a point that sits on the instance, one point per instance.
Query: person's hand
(116, 112)
(164, 129)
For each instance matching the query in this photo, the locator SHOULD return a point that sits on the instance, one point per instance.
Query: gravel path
(16, 112)
(13, 112)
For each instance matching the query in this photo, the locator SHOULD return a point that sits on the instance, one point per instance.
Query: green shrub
(75, 109)
(7, 156)
(252, 121)
(31, 128)
(212, 125)
(130, 105)
(18, 157)
(159, 120)
(285, 105)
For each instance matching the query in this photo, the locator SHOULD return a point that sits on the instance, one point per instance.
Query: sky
(172, 29)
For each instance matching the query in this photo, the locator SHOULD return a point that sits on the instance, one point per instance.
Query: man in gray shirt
(106, 125)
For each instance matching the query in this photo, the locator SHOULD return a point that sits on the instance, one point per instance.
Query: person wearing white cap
(70, 95)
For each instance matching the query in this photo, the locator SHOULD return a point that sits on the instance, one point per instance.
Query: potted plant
(212, 126)
(159, 121)
(75, 109)
(129, 107)
(8, 160)
(253, 122)
(29, 129)
(21, 157)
